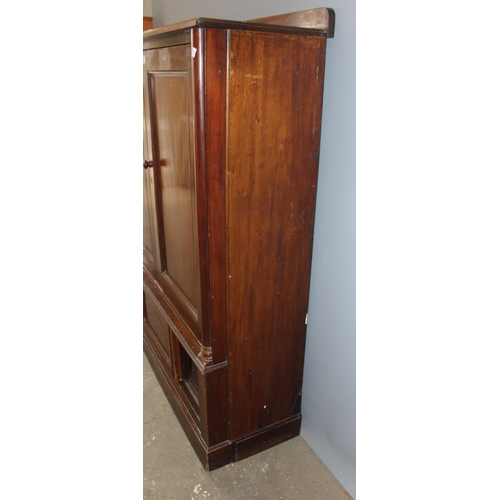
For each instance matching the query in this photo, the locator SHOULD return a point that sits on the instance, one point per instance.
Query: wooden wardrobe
(232, 123)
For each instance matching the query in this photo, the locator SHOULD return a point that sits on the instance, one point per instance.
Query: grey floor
(172, 470)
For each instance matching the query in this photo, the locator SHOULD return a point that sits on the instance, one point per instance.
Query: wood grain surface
(232, 129)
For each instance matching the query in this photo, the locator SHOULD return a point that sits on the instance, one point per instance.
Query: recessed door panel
(178, 188)
(169, 82)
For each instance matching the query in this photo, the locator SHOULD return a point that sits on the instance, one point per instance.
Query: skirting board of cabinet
(221, 454)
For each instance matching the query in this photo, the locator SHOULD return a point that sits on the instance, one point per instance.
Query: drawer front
(156, 322)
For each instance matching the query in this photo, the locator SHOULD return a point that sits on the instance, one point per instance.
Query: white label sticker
(193, 52)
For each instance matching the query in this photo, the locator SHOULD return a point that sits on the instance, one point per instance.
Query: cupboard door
(169, 84)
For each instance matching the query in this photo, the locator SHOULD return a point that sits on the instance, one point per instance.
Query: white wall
(329, 391)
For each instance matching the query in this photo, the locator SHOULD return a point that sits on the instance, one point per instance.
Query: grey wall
(329, 392)
(147, 8)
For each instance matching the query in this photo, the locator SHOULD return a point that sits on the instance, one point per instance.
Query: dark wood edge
(322, 23)
(173, 39)
(266, 438)
(216, 130)
(198, 100)
(320, 19)
(214, 407)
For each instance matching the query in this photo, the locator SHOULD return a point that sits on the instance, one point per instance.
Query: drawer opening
(188, 377)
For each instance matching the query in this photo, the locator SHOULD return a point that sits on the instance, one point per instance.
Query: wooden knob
(148, 164)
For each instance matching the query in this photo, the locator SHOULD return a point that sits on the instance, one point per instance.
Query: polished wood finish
(232, 134)
(168, 79)
(272, 177)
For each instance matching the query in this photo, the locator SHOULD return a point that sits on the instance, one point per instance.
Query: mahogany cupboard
(232, 119)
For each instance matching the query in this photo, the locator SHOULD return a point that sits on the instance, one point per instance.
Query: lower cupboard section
(171, 356)
(199, 395)
(222, 452)
(195, 426)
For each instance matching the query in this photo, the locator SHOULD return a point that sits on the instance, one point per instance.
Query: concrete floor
(172, 470)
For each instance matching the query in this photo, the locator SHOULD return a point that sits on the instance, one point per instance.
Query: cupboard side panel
(275, 98)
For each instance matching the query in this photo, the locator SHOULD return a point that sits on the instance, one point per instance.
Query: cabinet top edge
(313, 22)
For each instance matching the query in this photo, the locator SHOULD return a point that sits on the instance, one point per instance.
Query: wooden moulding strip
(319, 19)
(198, 353)
(313, 22)
(267, 437)
(157, 41)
